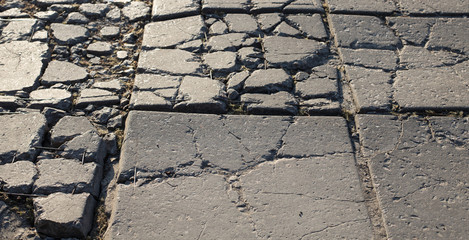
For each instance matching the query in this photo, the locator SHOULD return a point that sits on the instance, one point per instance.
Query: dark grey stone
(173, 61)
(154, 92)
(362, 32)
(450, 34)
(418, 57)
(232, 6)
(201, 95)
(280, 103)
(312, 25)
(76, 18)
(21, 64)
(97, 97)
(321, 83)
(69, 34)
(136, 11)
(268, 21)
(87, 147)
(69, 127)
(100, 48)
(242, 23)
(17, 177)
(63, 72)
(168, 9)
(64, 215)
(58, 98)
(434, 7)
(303, 6)
(362, 6)
(267, 5)
(22, 133)
(53, 115)
(230, 42)
(370, 58)
(94, 10)
(10, 102)
(115, 122)
(411, 29)
(221, 61)
(67, 176)
(102, 115)
(268, 81)
(236, 80)
(285, 30)
(251, 57)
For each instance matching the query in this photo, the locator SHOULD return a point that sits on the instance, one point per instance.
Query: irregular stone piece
(59, 98)
(64, 215)
(411, 29)
(173, 32)
(450, 33)
(236, 80)
(154, 92)
(292, 199)
(221, 61)
(312, 25)
(136, 11)
(363, 32)
(50, 2)
(316, 86)
(67, 176)
(173, 61)
(110, 31)
(169, 9)
(87, 147)
(96, 97)
(17, 177)
(10, 102)
(229, 42)
(293, 53)
(434, 7)
(320, 105)
(94, 10)
(53, 115)
(418, 57)
(201, 94)
(243, 23)
(23, 132)
(13, 13)
(22, 29)
(267, 5)
(69, 127)
(46, 15)
(268, 21)
(100, 48)
(69, 34)
(280, 103)
(76, 18)
(219, 27)
(370, 58)
(21, 63)
(232, 6)
(113, 85)
(285, 30)
(268, 81)
(63, 72)
(362, 6)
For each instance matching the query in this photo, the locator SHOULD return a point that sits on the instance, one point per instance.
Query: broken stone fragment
(69, 34)
(87, 147)
(69, 127)
(96, 97)
(280, 103)
(17, 177)
(198, 94)
(63, 72)
(268, 81)
(59, 98)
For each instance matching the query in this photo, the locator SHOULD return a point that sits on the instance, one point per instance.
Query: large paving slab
(362, 6)
(419, 168)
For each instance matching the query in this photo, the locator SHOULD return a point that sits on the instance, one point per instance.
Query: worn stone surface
(136, 11)
(434, 7)
(412, 57)
(110, 31)
(86, 147)
(312, 25)
(281, 103)
(23, 132)
(173, 32)
(94, 10)
(362, 32)
(13, 226)
(201, 94)
(285, 30)
(370, 58)
(362, 6)
(268, 81)
(167, 9)
(173, 61)
(59, 98)
(21, 63)
(322, 82)
(230, 42)
(234, 6)
(242, 23)
(69, 34)
(22, 29)
(450, 34)
(268, 21)
(316, 106)
(100, 48)
(303, 6)
(64, 215)
(17, 177)
(420, 176)
(251, 57)
(67, 176)
(63, 72)
(154, 92)
(411, 29)
(221, 61)
(96, 97)
(69, 127)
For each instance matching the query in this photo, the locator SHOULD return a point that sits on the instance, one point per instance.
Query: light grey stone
(41, 35)
(370, 58)
(268, 21)
(221, 61)
(64, 215)
(63, 72)
(285, 30)
(267, 5)
(94, 10)
(236, 80)
(114, 14)
(242, 23)
(113, 85)
(67, 176)
(434, 7)
(110, 31)
(363, 32)
(412, 29)
(311, 25)
(280, 103)
(136, 11)
(418, 57)
(152, 100)
(59, 98)
(100, 48)
(303, 6)
(18, 177)
(219, 27)
(13, 13)
(69, 127)
(251, 57)
(46, 15)
(230, 42)
(201, 94)
(450, 33)
(69, 34)
(121, 55)
(86, 147)
(232, 6)
(50, 2)
(168, 9)
(96, 97)
(316, 86)
(21, 29)
(173, 61)
(362, 6)
(173, 32)
(21, 64)
(320, 105)
(22, 132)
(268, 81)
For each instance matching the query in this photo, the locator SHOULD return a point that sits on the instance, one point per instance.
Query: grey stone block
(230, 42)
(311, 25)
(21, 64)
(268, 81)
(96, 97)
(136, 11)
(232, 6)
(112, 85)
(167, 9)
(17, 177)
(236, 80)
(173, 32)
(412, 57)
(219, 27)
(221, 61)
(87, 147)
(370, 58)
(321, 106)
(268, 21)
(10, 102)
(172, 61)
(154, 92)
(201, 94)
(69, 127)
(69, 34)
(433, 7)
(251, 57)
(363, 32)
(110, 31)
(76, 18)
(20, 134)
(285, 30)
(411, 29)
(303, 6)
(281, 103)
(362, 6)
(58, 98)
(450, 34)
(100, 48)
(67, 176)
(21, 29)
(64, 215)
(63, 72)
(51, 2)
(242, 23)
(94, 10)
(322, 82)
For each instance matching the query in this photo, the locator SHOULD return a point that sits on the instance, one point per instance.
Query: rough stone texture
(64, 215)
(154, 92)
(22, 29)
(321, 106)
(201, 94)
(173, 61)
(173, 32)
(268, 21)
(59, 98)
(230, 42)
(136, 11)
(21, 63)
(96, 97)
(423, 89)
(110, 31)
(94, 10)
(17, 177)
(112, 85)
(51, 2)
(219, 27)
(167, 9)
(221, 61)
(251, 57)
(69, 127)
(242, 23)
(420, 176)
(434, 7)
(281, 103)
(412, 30)
(370, 58)
(322, 82)
(371, 87)
(236, 80)
(63, 72)
(293, 53)
(285, 30)
(100, 48)
(362, 6)
(22, 132)
(76, 18)
(290, 199)
(230, 142)
(451, 34)
(87, 147)
(312, 25)
(69, 34)
(418, 57)
(10, 102)
(13, 226)
(233, 6)
(303, 6)
(67, 176)
(362, 32)
(268, 81)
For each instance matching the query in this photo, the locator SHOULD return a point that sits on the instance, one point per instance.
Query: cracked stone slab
(69, 34)
(268, 81)
(279, 103)
(174, 32)
(362, 6)
(63, 72)
(201, 94)
(97, 97)
(86, 147)
(17, 177)
(268, 21)
(22, 29)
(311, 25)
(363, 32)
(154, 92)
(295, 6)
(320, 105)
(370, 58)
(23, 132)
(64, 215)
(167, 9)
(304, 6)
(433, 7)
(58, 98)
(69, 127)
(221, 61)
(242, 23)
(443, 88)
(21, 64)
(322, 82)
(225, 142)
(421, 179)
(184, 207)
(67, 176)
(232, 6)
(412, 29)
(172, 61)
(412, 57)
(450, 34)
(289, 198)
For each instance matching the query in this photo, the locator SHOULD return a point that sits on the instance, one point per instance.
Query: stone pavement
(234, 119)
